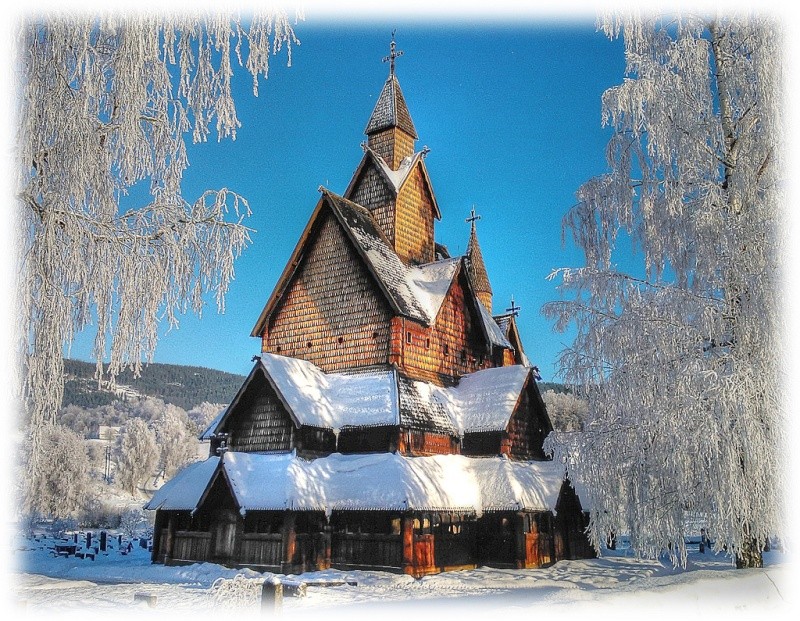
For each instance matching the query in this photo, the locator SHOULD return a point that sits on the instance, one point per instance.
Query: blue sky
(509, 109)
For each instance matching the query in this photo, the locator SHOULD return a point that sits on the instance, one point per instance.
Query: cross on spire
(514, 309)
(393, 53)
(473, 217)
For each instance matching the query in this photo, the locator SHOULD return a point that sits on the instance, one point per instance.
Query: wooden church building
(392, 420)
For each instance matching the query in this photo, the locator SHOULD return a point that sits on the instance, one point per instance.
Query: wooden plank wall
(331, 315)
(526, 430)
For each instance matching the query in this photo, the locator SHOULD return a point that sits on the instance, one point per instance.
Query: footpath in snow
(616, 586)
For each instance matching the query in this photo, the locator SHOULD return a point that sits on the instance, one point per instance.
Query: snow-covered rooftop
(383, 481)
(333, 400)
(482, 401)
(184, 491)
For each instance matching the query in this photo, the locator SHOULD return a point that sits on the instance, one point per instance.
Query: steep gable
(331, 312)
(257, 420)
(401, 201)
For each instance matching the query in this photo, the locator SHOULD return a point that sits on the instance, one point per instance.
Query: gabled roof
(508, 325)
(483, 400)
(382, 481)
(395, 179)
(391, 110)
(415, 292)
(492, 330)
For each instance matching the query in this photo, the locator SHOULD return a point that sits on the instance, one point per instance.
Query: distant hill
(180, 385)
(559, 388)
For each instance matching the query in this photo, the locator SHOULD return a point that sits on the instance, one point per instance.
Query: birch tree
(136, 455)
(177, 446)
(63, 481)
(681, 360)
(106, 104)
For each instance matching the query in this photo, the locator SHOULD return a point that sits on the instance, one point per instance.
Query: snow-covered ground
(617, 585)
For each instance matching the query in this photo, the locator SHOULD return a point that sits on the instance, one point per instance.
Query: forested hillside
(179, 385)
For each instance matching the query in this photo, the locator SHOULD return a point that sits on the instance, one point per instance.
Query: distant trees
(202, 415)
(566, 411)
(681, 359)
(106, 103)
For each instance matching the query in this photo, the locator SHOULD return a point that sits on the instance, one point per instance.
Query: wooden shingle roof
(477, 268)
(391, 110)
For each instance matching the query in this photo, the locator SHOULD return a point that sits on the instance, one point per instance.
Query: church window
(408, 337)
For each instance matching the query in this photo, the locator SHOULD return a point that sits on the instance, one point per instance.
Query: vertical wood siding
(331, 315)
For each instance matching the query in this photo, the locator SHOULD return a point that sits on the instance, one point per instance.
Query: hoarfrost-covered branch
(105, 105)
(682, 367)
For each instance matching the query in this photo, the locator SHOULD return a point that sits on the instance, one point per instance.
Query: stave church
(392, 421)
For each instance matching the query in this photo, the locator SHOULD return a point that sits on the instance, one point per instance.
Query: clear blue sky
(509, 109)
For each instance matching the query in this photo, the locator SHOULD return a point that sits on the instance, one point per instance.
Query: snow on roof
(382, 481)
(485, 400)
(416, 291)
(431, 282)
(482, 401)
(493, 331)
(332, 400)
(185, 489)
(396, 177)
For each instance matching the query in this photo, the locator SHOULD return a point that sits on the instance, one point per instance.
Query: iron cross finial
(473, 217)
(514, 310)
(393, 53)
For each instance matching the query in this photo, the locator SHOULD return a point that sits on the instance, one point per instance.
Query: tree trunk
(749, 556)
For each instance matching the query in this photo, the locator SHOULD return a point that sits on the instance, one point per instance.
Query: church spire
(476, 266)
(390, 130)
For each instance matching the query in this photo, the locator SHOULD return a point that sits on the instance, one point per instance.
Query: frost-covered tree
(136, 455)
(105, 106)
(566, 411)
(681, 360)
(62, 487)
(175, 442)
(201, 415)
